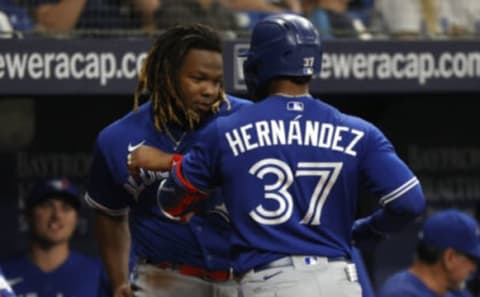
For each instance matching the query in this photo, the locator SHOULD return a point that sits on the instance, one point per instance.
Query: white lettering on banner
(447, 173)
(278, 132)
(52, 164)
(101, 66)
(420, 66)
(107, 66)
(444, 158)
(455, 188)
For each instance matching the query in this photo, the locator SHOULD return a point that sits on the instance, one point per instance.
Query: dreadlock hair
(160, 73)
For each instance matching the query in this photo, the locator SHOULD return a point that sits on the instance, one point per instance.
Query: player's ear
(448, 257)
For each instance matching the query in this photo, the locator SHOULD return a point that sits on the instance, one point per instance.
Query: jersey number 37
(327, 173)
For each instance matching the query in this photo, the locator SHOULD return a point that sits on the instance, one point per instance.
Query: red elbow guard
(176, 159)
(185, 205)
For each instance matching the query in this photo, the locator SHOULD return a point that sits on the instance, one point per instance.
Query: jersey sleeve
(389, 178)
(192, 178)
(103, 193)
(200, 164)
(386, 175)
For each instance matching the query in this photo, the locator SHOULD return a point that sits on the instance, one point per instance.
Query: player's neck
(288, 88)
(49, 258)
(431, 276)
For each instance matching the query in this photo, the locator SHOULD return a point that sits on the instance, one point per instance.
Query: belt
(211, 275)
(289, 262)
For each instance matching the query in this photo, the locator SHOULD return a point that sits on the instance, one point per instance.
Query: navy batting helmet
(281, 45)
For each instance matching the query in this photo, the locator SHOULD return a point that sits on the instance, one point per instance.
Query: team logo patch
(60, 185)
(310, 260)
(295, 106)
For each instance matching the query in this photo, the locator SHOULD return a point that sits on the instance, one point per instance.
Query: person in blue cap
(51, 268)
(447, 254)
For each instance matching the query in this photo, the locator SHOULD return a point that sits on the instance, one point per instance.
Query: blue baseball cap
(58, 187)
(452, 229)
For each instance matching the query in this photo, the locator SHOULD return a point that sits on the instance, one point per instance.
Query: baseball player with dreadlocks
(183, 76)
(291, 167)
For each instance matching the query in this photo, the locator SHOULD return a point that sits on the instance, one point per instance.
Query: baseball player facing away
(290, 167)
(183, 75)
(51, 268)
(447, 254)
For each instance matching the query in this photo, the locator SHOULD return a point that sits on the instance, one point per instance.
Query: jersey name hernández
(279, 132)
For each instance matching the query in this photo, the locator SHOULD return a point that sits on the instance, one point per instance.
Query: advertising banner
(110, 66)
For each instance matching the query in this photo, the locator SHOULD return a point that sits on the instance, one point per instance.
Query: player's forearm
(400, 212)
(113, 238)
(393, 217)
(148, 158)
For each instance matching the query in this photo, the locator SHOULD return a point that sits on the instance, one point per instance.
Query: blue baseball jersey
(290, 169)
(203, 241)
(5, 288)
(79, 275)
(406, 284)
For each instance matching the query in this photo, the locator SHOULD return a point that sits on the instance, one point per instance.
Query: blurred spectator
(361, 9)
(460, 17)
(207, 12)
(428, 18)
(16, 16)
(251, 11)
(266, 5)
(51, 268)
(60, 16)
(145, 10)
(405, 19)
(447, 253)
(332, 19)
(6, 29)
